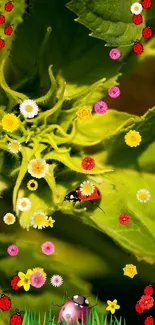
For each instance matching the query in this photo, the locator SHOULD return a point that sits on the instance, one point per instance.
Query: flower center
(87, 188)
(146, 302)
(38, 167)
(136, 8)
(10, 122)
(29, 108)
(24, 204)
(32, 184)
(39, 219)
(143, 195)
(14, 146)
(36, 280)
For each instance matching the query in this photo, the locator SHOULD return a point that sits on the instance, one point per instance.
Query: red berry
(138, 48)
(9, 6)
(147, 32)
(149, 321)
(137, 19)
(146, 4)
(2, 19)
(2, 43)
(139, 309)
(8, 30)
(148, 290)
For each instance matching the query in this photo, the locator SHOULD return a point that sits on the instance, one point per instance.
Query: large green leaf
(108, 20)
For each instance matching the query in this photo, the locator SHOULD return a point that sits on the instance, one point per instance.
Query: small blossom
(28, 108)
(12, 250)
(37, 280)
(115, 54)
(143, 195)
(114, 92)
(38, 168)
(87, 188)
(14, 146)
(112, 306)
(139, 309)
(100, 107)
(136, 8)
(25, 280)
(84, 113)
(32, 185)
(146, 302)
(49, 222)
(130, 270)
(56, 280)
(133, 138)
(9, 219)
(48, 248)
(124, 219)
(38, 220)
(148, 290)
(88, 163)
(23, 204)
(10, 122)
(149, 321)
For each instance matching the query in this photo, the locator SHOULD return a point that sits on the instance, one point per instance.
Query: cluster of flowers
(36, 278)
(8, 30)
(146, 302)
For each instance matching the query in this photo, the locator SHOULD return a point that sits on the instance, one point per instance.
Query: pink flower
(37, 280)
(100, 107)
(88, 163)
(12, 250)
(48, 248)
(114, 92)
(56, 280)
(115, 54)
(124, 219)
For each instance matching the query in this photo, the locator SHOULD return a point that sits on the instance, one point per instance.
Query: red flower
(148, 290)
(124, 219)
(149, 321)
(146, 302)
(139, 309)
(88, 163)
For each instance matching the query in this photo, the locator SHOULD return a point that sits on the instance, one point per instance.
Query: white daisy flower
(37, 168)
(14, 146)
(23, 204)
(56, 280)
(143, 195)
(9, 219)
(38, 220)
(136, 8)
(87, 188)
(28, 108)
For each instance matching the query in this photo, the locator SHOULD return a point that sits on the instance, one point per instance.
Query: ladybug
(149, 321)
(14, 282)
(8, 30)
(2, 43)
(16, 319)
(76, 308)
(146, 4)
(9, 6)
(137, 19)
(147, 32)
(138, 48)
(5, 302)
(2, 19)
(79, 195)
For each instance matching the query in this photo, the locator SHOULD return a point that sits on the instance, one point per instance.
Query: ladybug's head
(80, 300)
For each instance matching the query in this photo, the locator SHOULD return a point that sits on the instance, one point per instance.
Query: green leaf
(108, 20)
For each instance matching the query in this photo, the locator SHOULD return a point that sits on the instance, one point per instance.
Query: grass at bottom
(34, 318)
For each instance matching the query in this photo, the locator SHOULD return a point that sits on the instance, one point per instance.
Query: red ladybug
(137, 19)
(147, 32)
(8, 30)
(14, 282)
(138, 48)
(16, 319)
(2, 43)
(2, 19)
(149, 321)
(146, 4)
(77, 195)
(5, 302)
(9, 6)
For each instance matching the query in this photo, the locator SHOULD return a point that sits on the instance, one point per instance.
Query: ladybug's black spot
(63, 308)
(98, 192)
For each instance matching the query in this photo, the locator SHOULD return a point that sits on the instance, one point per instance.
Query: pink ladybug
(75, 308)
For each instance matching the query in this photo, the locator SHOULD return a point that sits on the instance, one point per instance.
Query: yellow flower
(37, 168)
(133, 138)
(10, 122)
(14, 146)
(112, 306)
(130, 270)
(9, 219)
(84, 113)
(40, 270)
(38, 220)
(49, 222)
(25, 280)
(32, 185)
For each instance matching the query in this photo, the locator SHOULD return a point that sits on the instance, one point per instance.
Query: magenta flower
(100, 107)
(115, 54)
(12, 250)
(114, 92)
(48, 248)
(37, 280)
